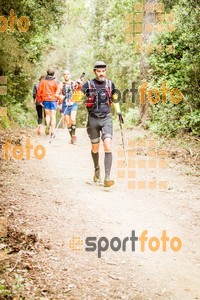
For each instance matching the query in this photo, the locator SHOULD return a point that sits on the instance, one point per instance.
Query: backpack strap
(89, 85)
(91, 98)
(110, 85)
(72, 86)
(109, 90)
(63, 88)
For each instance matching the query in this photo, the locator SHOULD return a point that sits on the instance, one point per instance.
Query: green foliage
(107, 37)
(21, 52)
(179, 69)
(21, 115)
(4, 292)
(13, 290)
(71, 35)
(129, 118)
(4, 123)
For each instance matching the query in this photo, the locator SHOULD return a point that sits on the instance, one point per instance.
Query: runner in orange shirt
(46, 95)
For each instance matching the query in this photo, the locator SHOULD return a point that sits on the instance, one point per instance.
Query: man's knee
(107, 144)
(73, 126)
(95, 147)
(67, 120)
(95, 141)
(73, 120)
(47, 112)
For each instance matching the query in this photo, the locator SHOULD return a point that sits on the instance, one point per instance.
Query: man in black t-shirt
(100, 92)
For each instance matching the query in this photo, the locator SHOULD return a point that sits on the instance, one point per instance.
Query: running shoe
(47, 130)
(39, 130)
(74, 139)
(108, 182)
(97, 175)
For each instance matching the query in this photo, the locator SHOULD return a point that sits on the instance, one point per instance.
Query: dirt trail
(57, 200)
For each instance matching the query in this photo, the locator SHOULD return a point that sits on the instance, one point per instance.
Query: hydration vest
(67, 91)
(92, 98)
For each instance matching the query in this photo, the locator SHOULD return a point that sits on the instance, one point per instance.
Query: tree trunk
(149, 18)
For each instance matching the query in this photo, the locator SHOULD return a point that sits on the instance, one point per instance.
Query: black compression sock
(73, 127)
(107, 163)
(70, 130)
(95, 157)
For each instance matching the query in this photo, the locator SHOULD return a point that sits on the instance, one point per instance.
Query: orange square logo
(138, 48)
(152, 164)
(128, 38)
(138, 18)
(160, 27)
(149, 49)
(159, 48)
(162, 185)
(149, 27)
(121, 174)
(162, 164)
(76, 244)
(170, 49)
(131, 185)
(131, 143)
(129, 18)
(142, 185)
(141, 143)
(131, 174)
(160, 8)
(142, 164)
(170, 27)
(120, 154)
(131, 153)
(138, 28)
(128, 28)
(137, 39)
(170, 18)
(149, 7)
(160, 17)
(121, 164)
(139, 7)
(152, 153)
(162, 153)
(131, 164)
(152, 184)
(152, 143)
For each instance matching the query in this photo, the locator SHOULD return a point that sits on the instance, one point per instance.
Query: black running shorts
(102, 126)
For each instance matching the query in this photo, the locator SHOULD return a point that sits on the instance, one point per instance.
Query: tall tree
(148, 25)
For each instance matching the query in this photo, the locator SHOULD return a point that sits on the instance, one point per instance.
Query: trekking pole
(83, 74)
(123, 144)
(53, 136)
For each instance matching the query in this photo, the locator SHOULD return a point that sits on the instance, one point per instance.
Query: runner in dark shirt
(38, 106)
(100, 92)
